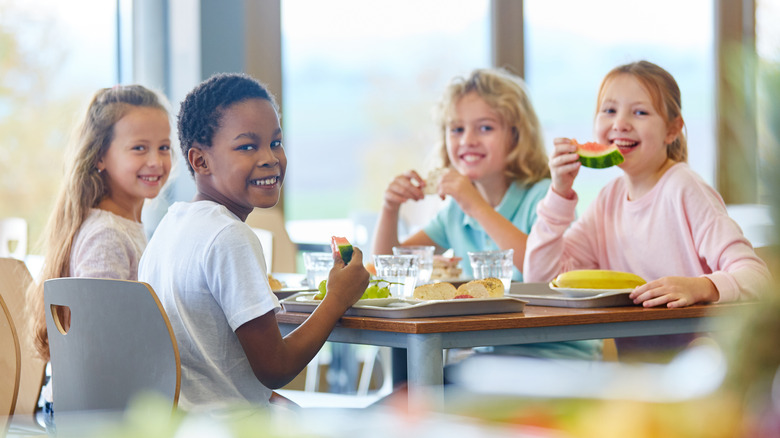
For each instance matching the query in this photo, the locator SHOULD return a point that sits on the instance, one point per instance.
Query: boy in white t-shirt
(207, 265)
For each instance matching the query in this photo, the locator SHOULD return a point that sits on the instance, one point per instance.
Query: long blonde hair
(83, 188)
(506, 94)
(664, 94)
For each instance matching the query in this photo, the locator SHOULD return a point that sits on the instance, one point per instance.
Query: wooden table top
(533, 316)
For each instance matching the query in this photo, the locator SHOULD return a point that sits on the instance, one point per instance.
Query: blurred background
(358, 81)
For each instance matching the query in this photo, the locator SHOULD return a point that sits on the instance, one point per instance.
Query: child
(120, 156)
(496, 173)
(207, 265)
(659, 220)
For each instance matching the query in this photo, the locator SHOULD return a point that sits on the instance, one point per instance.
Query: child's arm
(276, 360)
(403, 188)
(716, 241)
(554, 244)
(500, 229)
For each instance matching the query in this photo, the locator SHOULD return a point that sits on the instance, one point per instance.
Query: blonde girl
(495, 172)
(119, 157)
(659, 219)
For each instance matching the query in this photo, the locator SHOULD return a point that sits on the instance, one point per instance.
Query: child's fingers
(563, 146)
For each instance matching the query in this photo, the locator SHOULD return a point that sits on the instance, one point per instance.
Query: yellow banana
(597, 279)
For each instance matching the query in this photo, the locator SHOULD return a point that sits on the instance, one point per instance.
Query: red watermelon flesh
(598, 156)
(342, 246)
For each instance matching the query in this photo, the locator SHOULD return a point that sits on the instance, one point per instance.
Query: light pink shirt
(679, 228)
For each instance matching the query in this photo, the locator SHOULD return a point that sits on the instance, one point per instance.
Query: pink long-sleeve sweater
(679, 228)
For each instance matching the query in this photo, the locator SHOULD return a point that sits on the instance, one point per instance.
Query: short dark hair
(202, 109)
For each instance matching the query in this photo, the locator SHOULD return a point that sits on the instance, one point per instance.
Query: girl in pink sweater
(659, 220)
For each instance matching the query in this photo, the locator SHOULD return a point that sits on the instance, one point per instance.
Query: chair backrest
(13, 288)
(119, 343)
(13, 237)
(10, 366)
(284, 250)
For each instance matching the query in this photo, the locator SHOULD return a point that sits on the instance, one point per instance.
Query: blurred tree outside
(35, 118)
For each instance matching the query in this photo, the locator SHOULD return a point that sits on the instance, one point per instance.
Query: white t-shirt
(208, 269)
(107, 246)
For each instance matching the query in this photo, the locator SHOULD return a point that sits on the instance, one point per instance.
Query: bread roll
(484, 288)
(274, 283)
(435, 291)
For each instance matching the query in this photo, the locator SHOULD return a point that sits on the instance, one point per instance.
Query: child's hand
(675, 292)
(404, 187)
(346, 283)
(461, 189)
(564, 166)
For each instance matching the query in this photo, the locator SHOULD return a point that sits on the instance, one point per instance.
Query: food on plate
(445, 267)
(377, 288)
(275, 283)
(484, 288)
(435, 291)
(322, 288)
(597, 279)
(342, 246)
(598, 156)
(432, 181)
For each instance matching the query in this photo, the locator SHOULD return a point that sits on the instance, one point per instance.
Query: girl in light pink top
(658, 220)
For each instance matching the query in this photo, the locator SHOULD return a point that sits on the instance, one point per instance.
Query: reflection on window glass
(568, 54)
(55, 55)
(360, 81)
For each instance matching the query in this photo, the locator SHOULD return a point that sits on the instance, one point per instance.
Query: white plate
(573, 292)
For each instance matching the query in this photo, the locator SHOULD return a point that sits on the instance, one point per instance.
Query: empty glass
(424, 255)
(318, 265)
(401, 269)
(497, 264)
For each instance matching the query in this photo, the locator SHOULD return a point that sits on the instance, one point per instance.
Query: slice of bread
(432, 181)
(435, 291)
(484, 288)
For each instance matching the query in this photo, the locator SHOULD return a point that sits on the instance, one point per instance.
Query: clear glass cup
(424, 260)
(318, 266)
(402, 269)
(496, 264)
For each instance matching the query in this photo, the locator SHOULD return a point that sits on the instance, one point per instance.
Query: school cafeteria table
(425, 339)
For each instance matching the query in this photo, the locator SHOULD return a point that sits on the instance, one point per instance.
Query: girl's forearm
(386, 233)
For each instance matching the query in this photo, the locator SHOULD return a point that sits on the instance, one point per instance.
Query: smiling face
(138, 160)
(628, 119)
(477, 140)
(244, 167)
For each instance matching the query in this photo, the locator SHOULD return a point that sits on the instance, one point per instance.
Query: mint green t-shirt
(452, 228)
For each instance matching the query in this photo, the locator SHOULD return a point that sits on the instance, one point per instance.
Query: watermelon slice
(341, 246)
(598, 156)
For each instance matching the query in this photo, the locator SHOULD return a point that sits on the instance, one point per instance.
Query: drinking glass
(318, 265)
(424, 260)
(497, 264)
(401, 269)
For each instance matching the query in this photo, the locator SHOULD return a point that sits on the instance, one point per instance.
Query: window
(360, 82)
(55, 55)
(567, 55)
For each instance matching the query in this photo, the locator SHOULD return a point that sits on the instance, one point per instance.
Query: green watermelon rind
(345, 251)
(344, 248)
(601, 161)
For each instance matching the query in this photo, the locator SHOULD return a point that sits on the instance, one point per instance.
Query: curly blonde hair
(506, 94)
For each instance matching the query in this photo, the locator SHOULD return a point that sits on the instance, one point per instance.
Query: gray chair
(119, 343)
